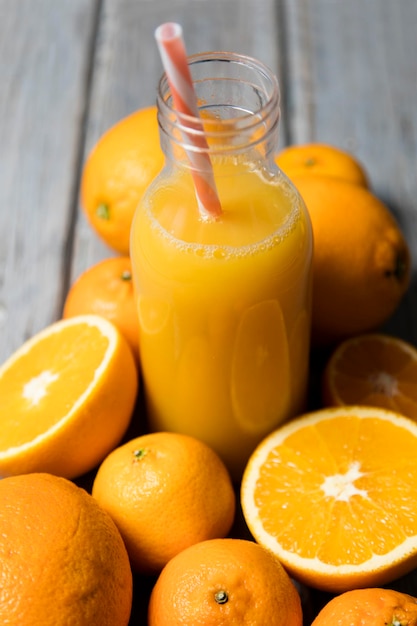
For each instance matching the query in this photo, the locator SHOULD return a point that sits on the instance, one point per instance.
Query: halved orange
(333, 495)
(66, 398)
(375, 370)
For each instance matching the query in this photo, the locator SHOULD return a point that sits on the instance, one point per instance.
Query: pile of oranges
(120, 527)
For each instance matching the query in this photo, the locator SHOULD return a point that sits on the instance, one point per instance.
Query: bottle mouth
(238, 99)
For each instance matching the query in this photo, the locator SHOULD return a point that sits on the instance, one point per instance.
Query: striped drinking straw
(174, 59)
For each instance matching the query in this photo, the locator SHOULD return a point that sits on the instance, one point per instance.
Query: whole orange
(361, 261)
(62, 559)
(373, 607)
(323, 160)
(224, 581)
(165, 492)
(106, 289)
(116, 173)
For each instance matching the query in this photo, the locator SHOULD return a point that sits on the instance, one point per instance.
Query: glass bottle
(224, 303)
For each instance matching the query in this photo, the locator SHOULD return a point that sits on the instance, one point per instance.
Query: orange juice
(224, 309)
(223, 303)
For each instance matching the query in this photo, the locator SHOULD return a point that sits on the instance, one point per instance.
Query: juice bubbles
(224, 304)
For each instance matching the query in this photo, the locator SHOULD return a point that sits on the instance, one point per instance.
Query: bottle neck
(238, 100)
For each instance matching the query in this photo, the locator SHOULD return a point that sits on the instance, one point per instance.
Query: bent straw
(174, 59)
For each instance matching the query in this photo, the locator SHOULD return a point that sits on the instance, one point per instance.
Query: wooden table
(69, 69)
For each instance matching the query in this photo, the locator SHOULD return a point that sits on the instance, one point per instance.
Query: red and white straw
(174, 59)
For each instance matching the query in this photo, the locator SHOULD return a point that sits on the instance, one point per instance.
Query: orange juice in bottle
(224, 304)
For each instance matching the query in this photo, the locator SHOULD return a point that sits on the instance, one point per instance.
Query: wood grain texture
(71, 69)
(44, 58)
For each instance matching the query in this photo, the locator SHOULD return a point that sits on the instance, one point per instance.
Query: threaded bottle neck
(238, 99)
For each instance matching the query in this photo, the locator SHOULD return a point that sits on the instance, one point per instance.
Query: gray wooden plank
(44, 53)
(352, 82)
(127, 66)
